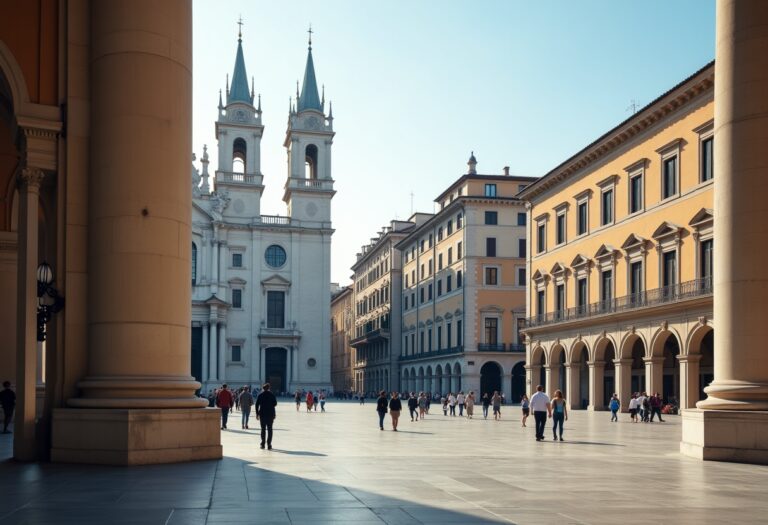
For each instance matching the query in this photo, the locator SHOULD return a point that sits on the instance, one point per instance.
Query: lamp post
(49, 301)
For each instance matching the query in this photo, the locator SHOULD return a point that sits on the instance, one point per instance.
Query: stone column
(623, 377)
(572, 385)
(548, 379)
(223, 349)
(596, 377)
(213, 374)
(24, 446)
(296, 363)
(733, 424)
(214, 265)
(532, 373)
(289, 368)
(654, 375)
(205, 352)
(139, 249)
(262, 354)
(689, 380)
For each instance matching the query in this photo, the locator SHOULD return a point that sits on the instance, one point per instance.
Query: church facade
(261, 283)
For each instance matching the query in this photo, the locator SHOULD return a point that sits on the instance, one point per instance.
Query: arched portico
(696, 366)
(491, 378)
(578, 376)
(556, 370)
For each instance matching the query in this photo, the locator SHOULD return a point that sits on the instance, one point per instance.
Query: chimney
(506, 171)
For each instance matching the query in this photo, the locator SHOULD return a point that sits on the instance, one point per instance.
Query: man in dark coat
(265, 413)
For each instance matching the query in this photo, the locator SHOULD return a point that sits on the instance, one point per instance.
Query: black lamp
(49, 301)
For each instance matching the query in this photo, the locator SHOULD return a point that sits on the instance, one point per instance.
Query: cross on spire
(310, 35)
(240, 29)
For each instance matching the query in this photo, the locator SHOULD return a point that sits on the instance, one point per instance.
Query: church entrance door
(275, 368)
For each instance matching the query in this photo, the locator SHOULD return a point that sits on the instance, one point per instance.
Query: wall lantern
(49, 301)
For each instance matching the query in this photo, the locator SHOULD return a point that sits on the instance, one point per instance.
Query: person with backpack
(559, 413)
(413, 404)
(614, 405)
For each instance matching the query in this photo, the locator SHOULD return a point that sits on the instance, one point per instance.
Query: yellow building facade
(342, 354)
(621, 258)
(463, 291)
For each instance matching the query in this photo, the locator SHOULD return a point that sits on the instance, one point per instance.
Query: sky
(417, 85)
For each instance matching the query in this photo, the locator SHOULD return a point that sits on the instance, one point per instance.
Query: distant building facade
(342, 353)
(463, 290)
(621, 258)
(260, 284)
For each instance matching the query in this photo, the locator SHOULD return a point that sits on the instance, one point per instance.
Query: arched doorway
(538, 372)
(428, 380)
(518, 382)
(580, 375)
(609, 374)
(420, 385)
(638, 367)
(707, 363)
(490, 378)
(457, 376)
(439, 379)
(671, 380)
(275, 368)
(404, 384)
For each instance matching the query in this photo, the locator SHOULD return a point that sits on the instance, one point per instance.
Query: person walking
(428, 402)
(224, 400)
(322, 401)
(8, 402)
(265, 413)
(486, 404)
(541, 408)
(614, 405)
(559, 413)
(460, 400)
(452, 403)
(525, 404)
(470, 404)
(246, 402)
(310, 401)
(413, 404)
(423, 403)
(395, 406)
(655, 402)
(643, 407)
(633, 408)
(297, 399)
(444, 403)
(361, 397)
(381, 408)
(496, 403)
(315, 400)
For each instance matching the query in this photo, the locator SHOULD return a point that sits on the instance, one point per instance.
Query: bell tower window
(310, 162)
(239, 150)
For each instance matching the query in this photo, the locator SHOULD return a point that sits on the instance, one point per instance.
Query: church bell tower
(308, 141)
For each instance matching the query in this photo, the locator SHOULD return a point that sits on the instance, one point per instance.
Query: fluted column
(223, 349)
(24, 446)
(623, 375)
(213, 369)
(205, 353)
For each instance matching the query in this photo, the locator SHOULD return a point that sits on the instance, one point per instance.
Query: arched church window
(275, 256)
(310, 162)
(239, 150)
(194, 264)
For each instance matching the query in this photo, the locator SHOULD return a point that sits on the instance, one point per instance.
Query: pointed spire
(472, 163)
(252, 90)
(239, 91)
(322, 99)
(258, 110)
(221, 106)
(330, 111)
(309, 98)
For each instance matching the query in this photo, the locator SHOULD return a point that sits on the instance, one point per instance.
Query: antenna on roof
(634, 105)
(411, 202)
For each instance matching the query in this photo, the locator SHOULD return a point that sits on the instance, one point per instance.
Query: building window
(521, 277)
(459, 251)
(237, 351)
(439, 337)
(669, 177)
(413, 343)
(194, 264)
(705, 270)
(275, 256)
(560, 298)
(669, 269)
(421, 246)
(458, 279)
(707, 159)
(490, 247)
(459, 221)
(606, 288)
(430, 240)
(635, 280)
(439, 287)
(459, 338)
(405, 302)
(275, 309)
(492, 276)
(491, 218)
(421, 341)
(606, 213)
(541, 237)
(423, 273)
(522, 219)
(491, 331)
(430, 265)
(560, 228)
(237, 260)
(521, 249)
(429, 340)
(421, 295)
(440, 233)
(636, 193)
(448, 333)
(447, 284)
(581, 294)
(440, 261)
(490, 190)
(449, 228)
(582, 218)
(237, 298)
(541, 303)
(429, 292)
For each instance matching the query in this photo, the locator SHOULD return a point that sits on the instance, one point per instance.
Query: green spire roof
(239, 91)
(309, 98)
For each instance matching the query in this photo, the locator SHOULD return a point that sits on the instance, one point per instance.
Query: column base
(725, 435)
(135, 436)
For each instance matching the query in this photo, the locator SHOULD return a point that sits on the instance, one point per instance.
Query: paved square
(337, 467)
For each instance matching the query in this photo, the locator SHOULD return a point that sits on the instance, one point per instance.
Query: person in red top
(224, 401)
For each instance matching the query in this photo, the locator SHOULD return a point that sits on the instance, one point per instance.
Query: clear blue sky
(417, 85)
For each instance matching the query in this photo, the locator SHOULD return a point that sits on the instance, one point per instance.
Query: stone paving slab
(337, 467)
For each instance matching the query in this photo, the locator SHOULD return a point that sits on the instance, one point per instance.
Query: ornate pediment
(667, 229)
(538, 276)
(558, 269)
(703, 218)
(605, 250)
(215, 300)
(492, 308)
(634, 242)
(237, 280)
(579, 261)
(275, 282)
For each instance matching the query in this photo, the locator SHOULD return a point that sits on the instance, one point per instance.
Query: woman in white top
(452, 403)
(633, 404)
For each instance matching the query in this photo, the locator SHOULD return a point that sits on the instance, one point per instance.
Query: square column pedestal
(135, 436)
(725, 435)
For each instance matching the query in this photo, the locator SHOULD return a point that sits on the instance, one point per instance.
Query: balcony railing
(500, 347)
(309, 184)
(657, 296)
(272, 220)
(373, 335)
(230, 177)
(434, 353)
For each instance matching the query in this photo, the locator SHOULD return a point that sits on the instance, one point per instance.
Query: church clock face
(313, 123)
(240, 115)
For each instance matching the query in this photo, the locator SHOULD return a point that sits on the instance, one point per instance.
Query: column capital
(653, 360)
(622, 362)
(596, 364)
(204, 324)
(689, 358)
(31, 178)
